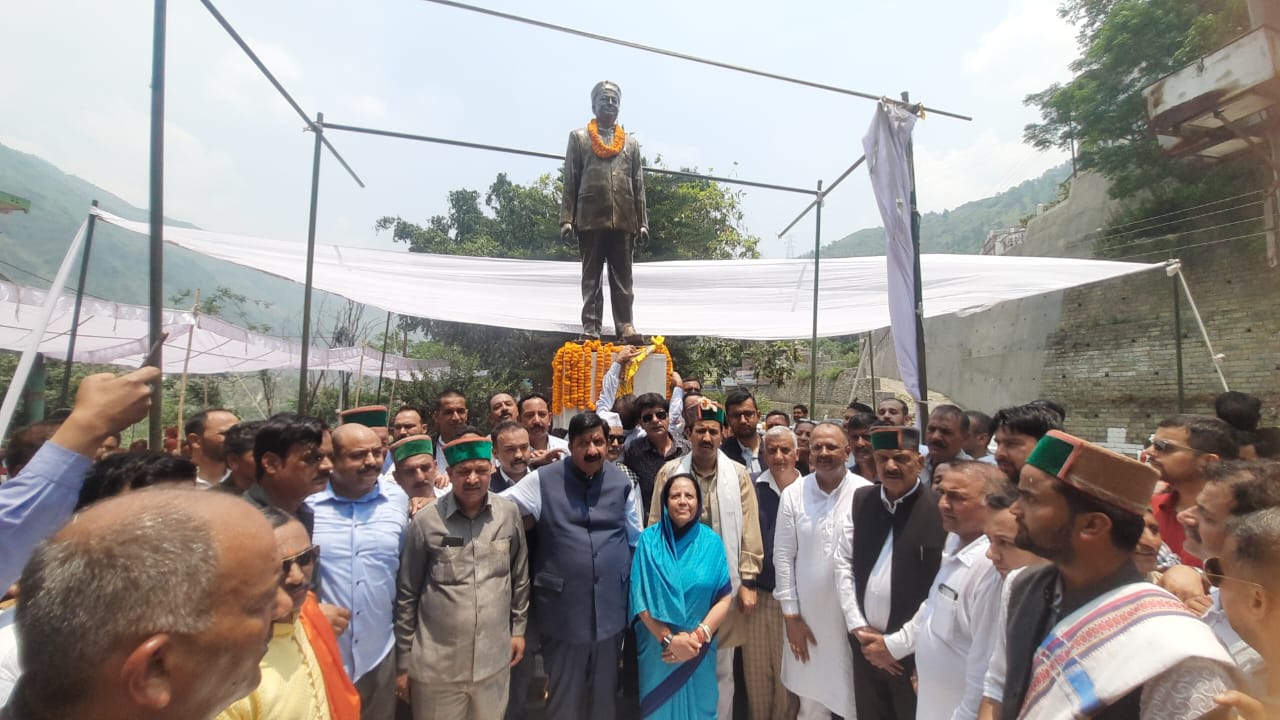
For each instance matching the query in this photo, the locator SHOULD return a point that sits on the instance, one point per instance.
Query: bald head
(357, 460)
(128, 608)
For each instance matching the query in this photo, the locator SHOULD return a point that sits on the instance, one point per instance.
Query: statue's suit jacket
(603, 194)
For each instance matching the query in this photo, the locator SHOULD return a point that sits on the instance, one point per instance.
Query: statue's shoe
(588, 335)
(629, 335)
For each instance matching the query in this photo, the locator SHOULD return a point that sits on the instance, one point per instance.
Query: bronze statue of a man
(604, 204)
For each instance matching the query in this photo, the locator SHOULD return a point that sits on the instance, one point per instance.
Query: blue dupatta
(678, 580)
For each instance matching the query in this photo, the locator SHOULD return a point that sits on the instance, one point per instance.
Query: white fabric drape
(116, 333)
(886, 147)
(745, 299)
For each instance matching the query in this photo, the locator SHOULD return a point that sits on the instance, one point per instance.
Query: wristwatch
(666, 640)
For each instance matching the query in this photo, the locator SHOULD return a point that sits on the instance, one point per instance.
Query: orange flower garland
(575, 387)
(598, 146)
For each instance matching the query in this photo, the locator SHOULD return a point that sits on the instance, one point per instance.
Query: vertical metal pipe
(813, 342)
(922, 406)
(311, 259)
(1177, 340)
(156, 298)
(871, 365)
(75, 312)
(382, 367)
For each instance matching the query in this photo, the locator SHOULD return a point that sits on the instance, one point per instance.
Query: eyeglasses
(617, 439)
(1213, 572)
(650, 417)
(1162, 446)
(303, 559)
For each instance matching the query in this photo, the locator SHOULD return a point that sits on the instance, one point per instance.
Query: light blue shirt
(36, 503)
(360, 542)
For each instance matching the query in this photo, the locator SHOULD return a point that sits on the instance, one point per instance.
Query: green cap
(468, 448)
(369, 416)
(895, 438)
(412, 445)
(1052, 452)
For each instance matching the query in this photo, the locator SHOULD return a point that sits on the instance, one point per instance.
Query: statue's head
(606, 97)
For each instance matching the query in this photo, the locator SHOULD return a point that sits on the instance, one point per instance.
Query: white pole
(19, 381)
(1215, 357)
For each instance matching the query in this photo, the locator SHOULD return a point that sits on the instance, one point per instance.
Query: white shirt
(952, 633)
(527, 495)
(876, 609)
(9, 668)
(997, 669)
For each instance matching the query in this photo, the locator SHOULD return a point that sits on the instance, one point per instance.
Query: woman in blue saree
(680, 593)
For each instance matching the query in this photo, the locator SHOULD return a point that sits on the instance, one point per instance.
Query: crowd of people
(661, 556)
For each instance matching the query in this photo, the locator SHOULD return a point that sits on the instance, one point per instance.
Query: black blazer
(731, 447)
(918, 538)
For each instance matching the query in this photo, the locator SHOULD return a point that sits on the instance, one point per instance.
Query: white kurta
(804, 549)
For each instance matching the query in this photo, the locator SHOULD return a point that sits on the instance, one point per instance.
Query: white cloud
(234, 83)
(987, 166)
(1026, 51)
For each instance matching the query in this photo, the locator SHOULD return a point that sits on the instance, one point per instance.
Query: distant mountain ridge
(32, 246)
(964, 229)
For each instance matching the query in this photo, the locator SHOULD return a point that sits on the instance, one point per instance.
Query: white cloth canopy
(744, 299)
(116, 333)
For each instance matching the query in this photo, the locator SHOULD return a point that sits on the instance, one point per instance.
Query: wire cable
(684, 56)
(1168, 236)
(1109, 235)
(1186, 247)
(1193, 207)
(24, 270)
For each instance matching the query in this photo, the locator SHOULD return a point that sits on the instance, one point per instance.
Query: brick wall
(1111, 360)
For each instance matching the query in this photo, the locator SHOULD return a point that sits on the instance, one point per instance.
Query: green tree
(1126, 45)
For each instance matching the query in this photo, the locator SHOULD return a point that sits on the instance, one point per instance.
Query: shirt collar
(1166, 501)
(969, 554)
(449, 506)
(328, 494)
(766, 478)
(892, 505)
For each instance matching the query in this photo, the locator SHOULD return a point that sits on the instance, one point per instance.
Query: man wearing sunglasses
(1182, 450)
(646, 455)
(1233, 489)
(1246, 577)
(1086, 635)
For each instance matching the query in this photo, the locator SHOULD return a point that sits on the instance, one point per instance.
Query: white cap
(613, 419)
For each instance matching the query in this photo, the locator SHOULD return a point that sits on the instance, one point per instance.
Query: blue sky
(77, 94)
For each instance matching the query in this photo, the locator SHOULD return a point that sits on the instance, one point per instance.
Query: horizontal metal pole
(550, 156)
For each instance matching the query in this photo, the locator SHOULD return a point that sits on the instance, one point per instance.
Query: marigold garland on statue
(598, 145)
(575, 387)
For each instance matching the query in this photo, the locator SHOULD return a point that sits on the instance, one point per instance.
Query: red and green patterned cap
(369, 416)
(1113, 478)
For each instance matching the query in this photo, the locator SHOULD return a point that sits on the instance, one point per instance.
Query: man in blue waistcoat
(587, 524)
